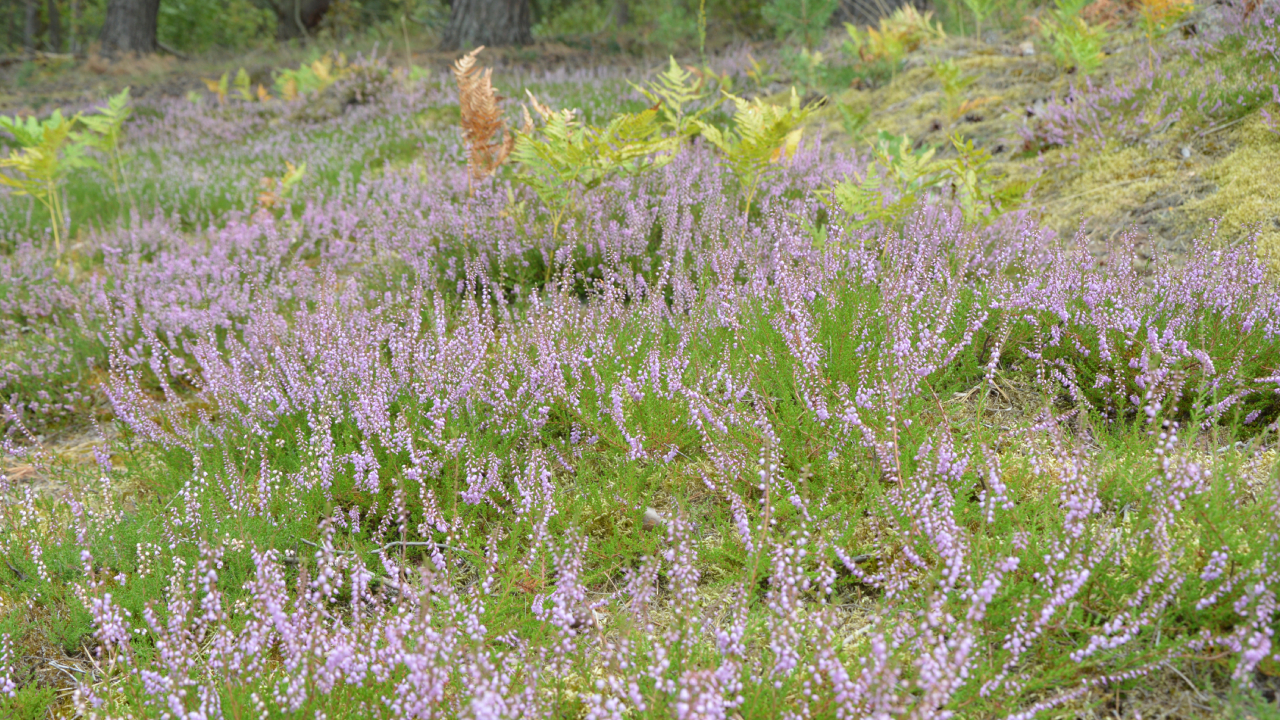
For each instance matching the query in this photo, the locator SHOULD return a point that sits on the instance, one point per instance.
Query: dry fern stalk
(481, 118)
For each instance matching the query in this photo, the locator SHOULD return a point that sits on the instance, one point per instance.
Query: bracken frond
(482, 120)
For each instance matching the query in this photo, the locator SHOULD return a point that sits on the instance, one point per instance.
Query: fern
(41, 163)
(954, 83)
(243, 85)
(218, 87)
(275, 191)
(566, 157)
(105, 131)
(911, 173)
(763, 136)
(310, 78)
(1073, 42)
(902, 32)
(972, 181)
(481, 118)
(673, 92)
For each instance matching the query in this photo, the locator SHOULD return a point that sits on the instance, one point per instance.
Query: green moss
(1248, 198)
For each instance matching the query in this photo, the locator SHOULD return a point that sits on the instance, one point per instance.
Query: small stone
(652, 519)
(1027, 49)
(584, 617)
(1186, 151)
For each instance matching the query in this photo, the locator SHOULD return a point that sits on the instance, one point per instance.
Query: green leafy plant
(276, 191)
(954, 84)
(899, 167)
(310, 78)
(667, 27)
(218, 87)
(763, 135)
(803, 21)
(760, 73)
(565, 157)
(806, 67)
(981, 10)
(674, 92)
(243, 85)
(199, 25)
(42, 161)
(900, 33)
(854, 120)
(908, 173)
(1074, 43)
(105, 129)
(973, 182)
(1160, 15)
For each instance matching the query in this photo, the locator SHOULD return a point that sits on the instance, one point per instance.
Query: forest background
(630, 26)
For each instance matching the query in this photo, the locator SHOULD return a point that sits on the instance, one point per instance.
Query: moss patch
(1248, 197)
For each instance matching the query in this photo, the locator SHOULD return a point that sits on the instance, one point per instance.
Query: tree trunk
(76, 10)
(621, 14)
(55, 26)
(488, 22)
(11, 18)
(29, 26)
(298, 18)
(130, 27)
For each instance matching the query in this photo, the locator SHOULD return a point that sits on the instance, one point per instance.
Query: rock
(652, 520)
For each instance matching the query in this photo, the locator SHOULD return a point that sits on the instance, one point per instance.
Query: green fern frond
(763, 135)
(41, 166)
(673, 92)
(243, 85)
(28, 132)
(566, 157)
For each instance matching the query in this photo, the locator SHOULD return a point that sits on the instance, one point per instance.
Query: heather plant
(358, 461)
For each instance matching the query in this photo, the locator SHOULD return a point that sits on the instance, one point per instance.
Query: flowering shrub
(393, 452)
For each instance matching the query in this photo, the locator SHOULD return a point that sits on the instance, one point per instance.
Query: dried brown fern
(481, 118)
